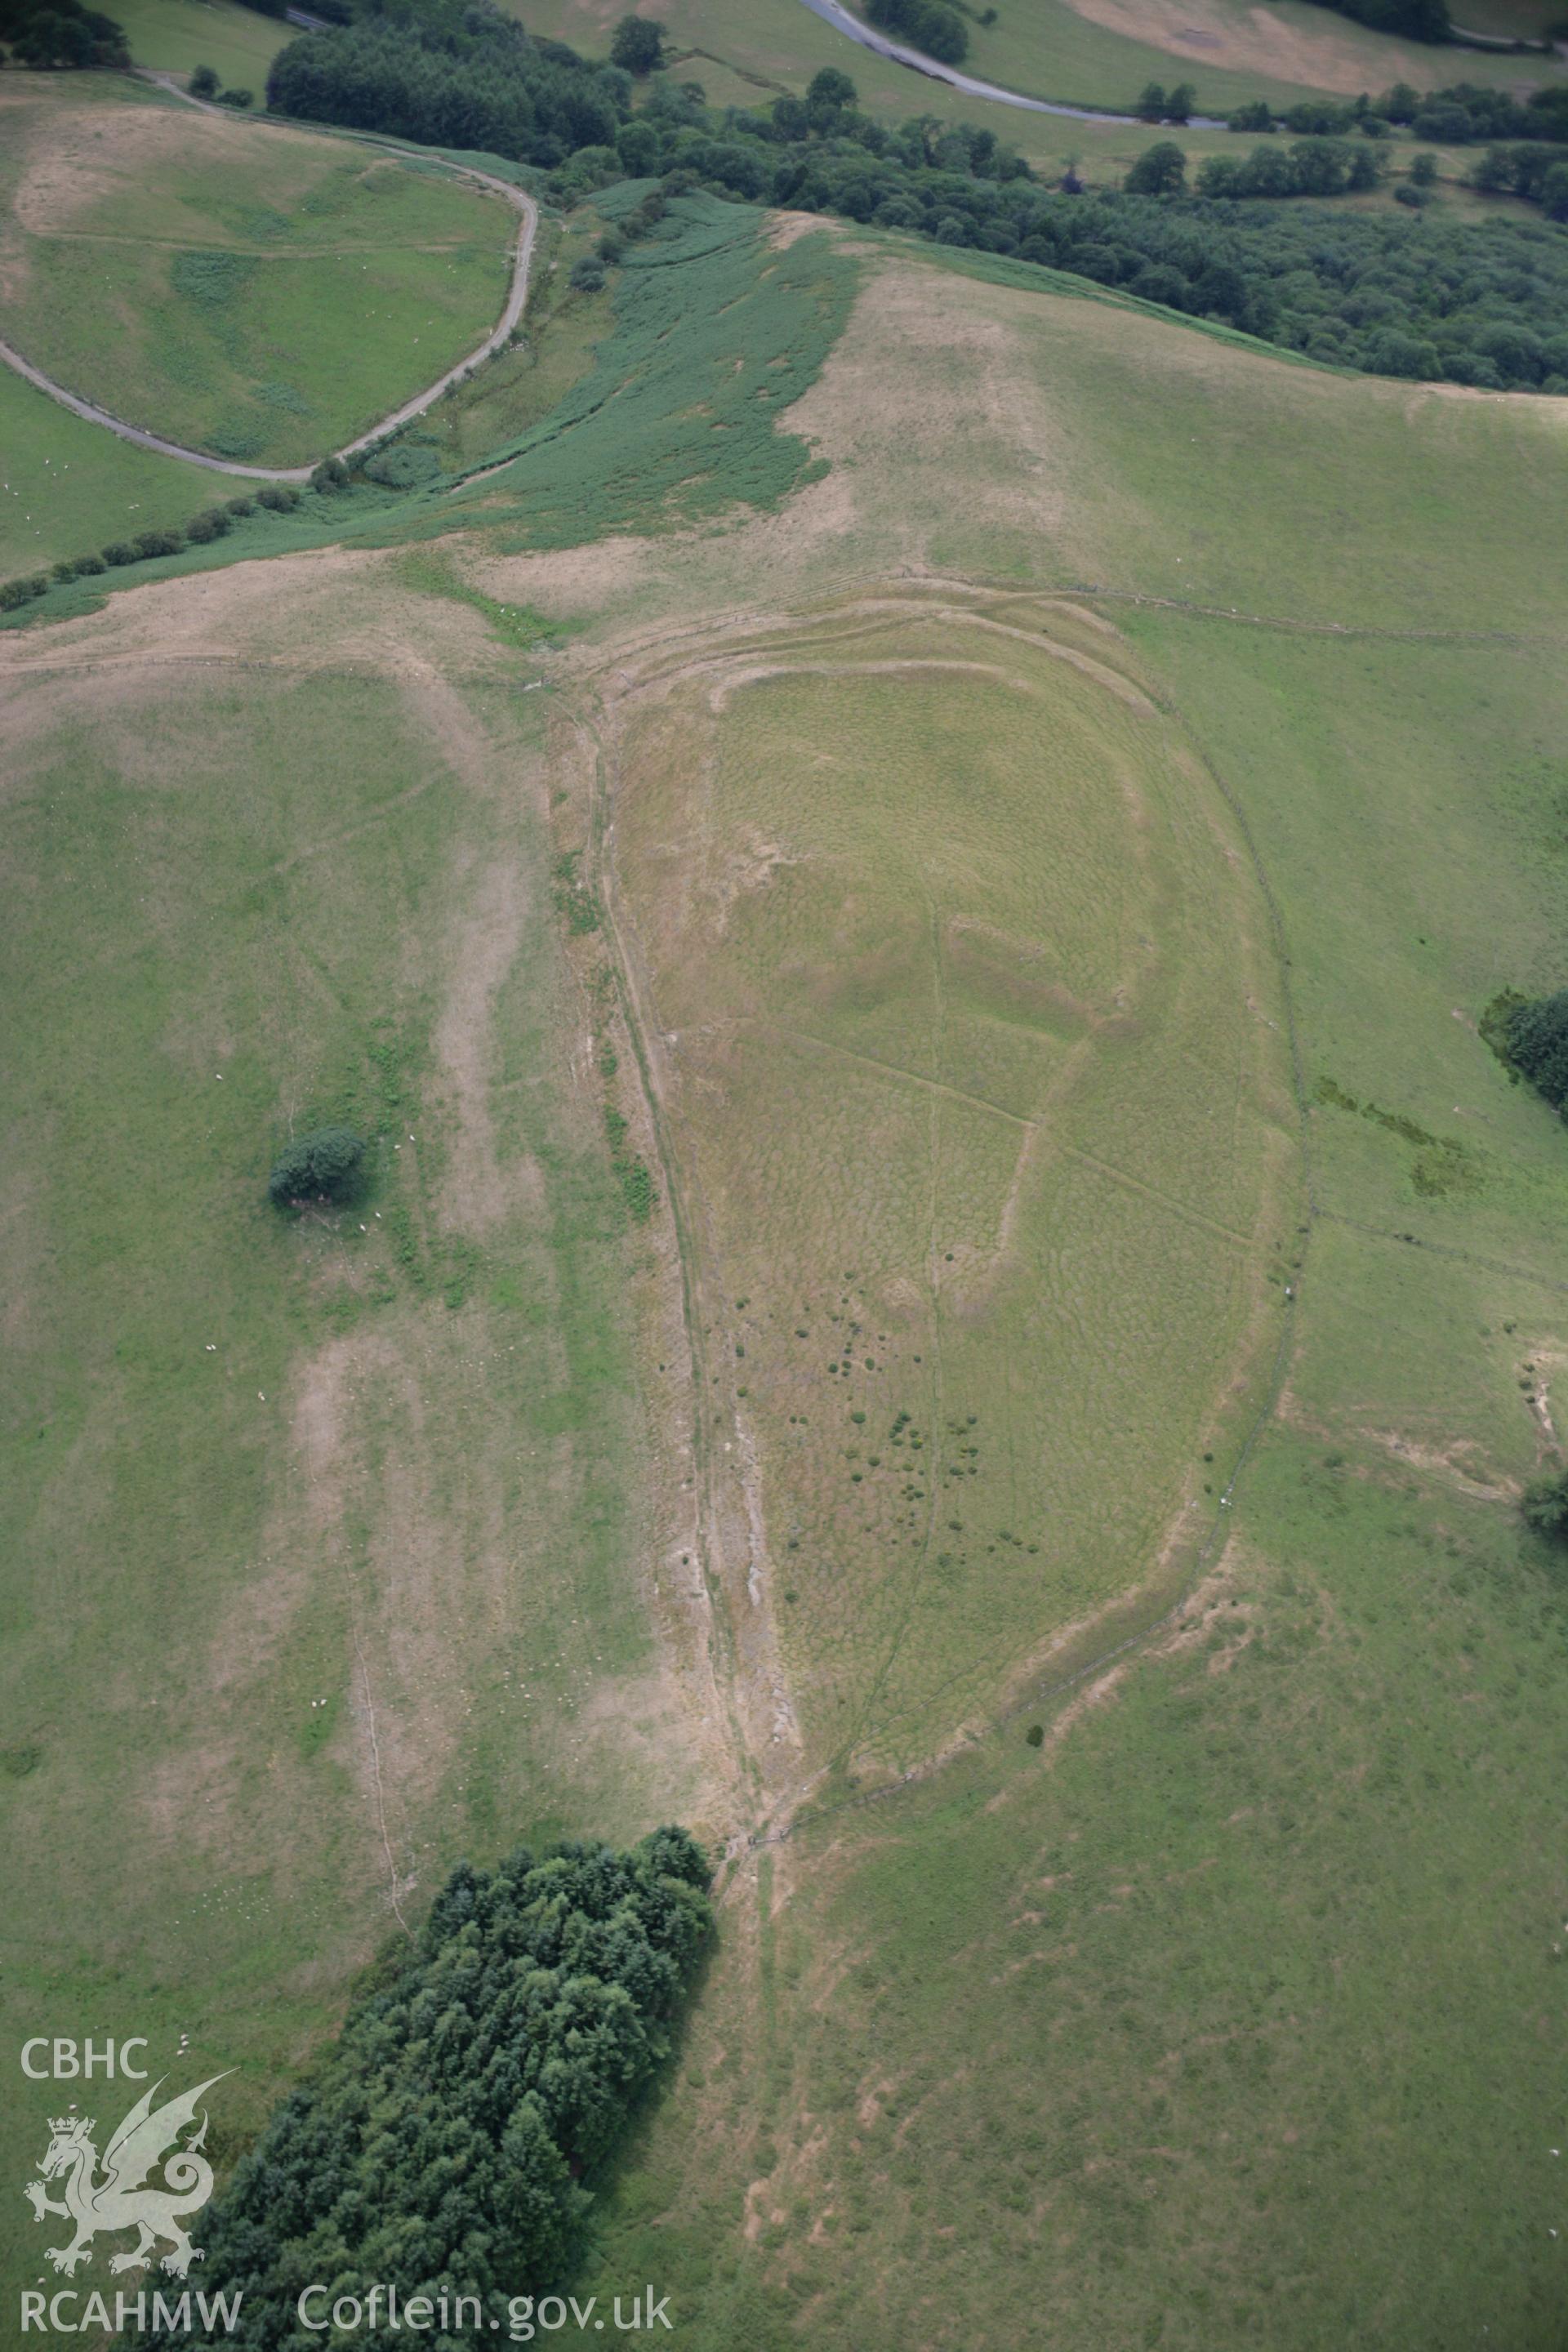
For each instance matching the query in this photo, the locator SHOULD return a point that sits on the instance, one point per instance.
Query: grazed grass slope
(325, 1538)
(669, 418)
(1219, 2018)
(253, 292)
(1216, 2019)
(66, 486)
(175, 36)
(974, 1070)
(716, 335)
(1225, 49)
(1097, 54)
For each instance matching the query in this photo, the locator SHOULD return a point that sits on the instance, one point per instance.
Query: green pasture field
(705, 335)
(66, 486)
(1215, 2019)
(256, 293)
(1513, 20)
(1046, 48)
(958, 1048)
(1050, 49)
(320, 1530)
(176, 35)
(1218, 2024)
(1021, 717)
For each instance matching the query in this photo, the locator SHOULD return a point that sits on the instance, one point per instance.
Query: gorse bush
(450, 2140)
(322, 1166)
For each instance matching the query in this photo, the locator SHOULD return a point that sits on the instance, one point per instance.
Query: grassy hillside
(255, 293)
(175, 36)
(1016, 778)
(1100, 53)
(1225, 49)
(65, 486)
(1215, 2019)
(973, 1095)
(330, 1551)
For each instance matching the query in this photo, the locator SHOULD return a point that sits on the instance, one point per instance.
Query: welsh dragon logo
(101, 2203)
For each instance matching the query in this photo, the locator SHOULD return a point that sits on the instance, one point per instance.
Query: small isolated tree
(203, 82)
(1424, 168)
(1536, 1040)
(1151, 102)
(636, 44)
(321, 1166)
(1160, 171)
(238, 98)
(587, 275)
(1545, 1507)
(827, 93)
(1181, 102)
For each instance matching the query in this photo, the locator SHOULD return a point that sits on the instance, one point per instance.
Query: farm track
(517, 296)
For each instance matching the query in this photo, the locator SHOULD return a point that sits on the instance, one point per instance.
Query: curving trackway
(832, 12)
(516, 297)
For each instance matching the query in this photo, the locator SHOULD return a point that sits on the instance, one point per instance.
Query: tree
(1424, 168)
(321, 1166)
(828, 92)
(1158, 282)
(1554, 192)
(637, 143)
(1391, 353)
(636, 44)
(1545, 1507)
(1536, 1041)
(1181, 102)
(453, 2138)
(203, 82)
(1160, 171)
(1150, 105)
(587, 275)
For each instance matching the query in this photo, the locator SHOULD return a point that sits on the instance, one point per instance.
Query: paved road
(517, 296)
(833, 13)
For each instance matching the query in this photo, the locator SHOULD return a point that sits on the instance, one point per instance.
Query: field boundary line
(1443, 1249)
(1034, 1126)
